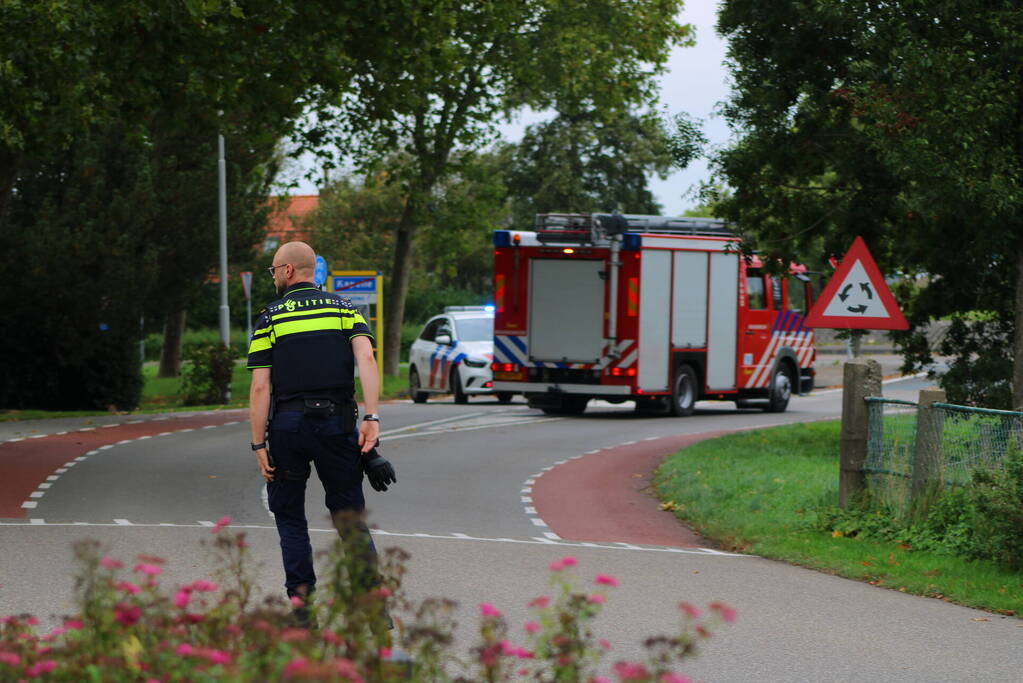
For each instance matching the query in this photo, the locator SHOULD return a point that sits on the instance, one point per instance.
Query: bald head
(302, 261)
(301, 257)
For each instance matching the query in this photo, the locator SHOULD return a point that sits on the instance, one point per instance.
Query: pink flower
(523, 653)
(606, 580)
(149, 569)
(127, 614)
(127, 587)
(31, 621)
(597, 599)
(532, 627)
(74, 625)
(600, 679)
(221, 523)
(296, 601)
(727, 613)
(111, 563)
(488, 610)
(540, 602)
(10, 658)
(690, 610)
(384, 652)
(563, 563)
(296, 666)
(181, 599)
(217, 656)
(630, 671)
(604, 643)
(203, 586)
(40, 668)
(184, 649)
(674, 678)
(332, 638)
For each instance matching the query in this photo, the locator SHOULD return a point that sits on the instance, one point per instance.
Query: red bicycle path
(27, 463)
(600, 497)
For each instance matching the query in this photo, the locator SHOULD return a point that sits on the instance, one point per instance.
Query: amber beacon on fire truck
(659, 310)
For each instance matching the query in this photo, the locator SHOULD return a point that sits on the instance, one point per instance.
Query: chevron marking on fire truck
(788, 330)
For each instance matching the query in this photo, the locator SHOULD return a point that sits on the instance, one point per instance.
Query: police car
(452, 355)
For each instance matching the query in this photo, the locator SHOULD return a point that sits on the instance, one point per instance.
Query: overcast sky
(695, 83)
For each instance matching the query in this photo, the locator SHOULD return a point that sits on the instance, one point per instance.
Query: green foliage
(588, 161)
(128, 626)
(895, 122)
(193, 339)
(206, 376)
(997, 497)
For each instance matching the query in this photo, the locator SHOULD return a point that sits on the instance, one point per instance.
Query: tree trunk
(173, 333)
(401, 270)
(1017, 358)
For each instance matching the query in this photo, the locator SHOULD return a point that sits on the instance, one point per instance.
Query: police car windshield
(475, 329)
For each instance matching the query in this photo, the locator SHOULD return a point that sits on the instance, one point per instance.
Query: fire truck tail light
(622, 372)
(504, 367)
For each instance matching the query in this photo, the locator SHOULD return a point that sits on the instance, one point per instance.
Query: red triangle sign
(857, 296)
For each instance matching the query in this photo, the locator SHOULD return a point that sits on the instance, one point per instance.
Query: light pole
(225, 321)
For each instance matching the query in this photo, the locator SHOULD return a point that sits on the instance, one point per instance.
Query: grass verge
(757, 492)
(163, 395)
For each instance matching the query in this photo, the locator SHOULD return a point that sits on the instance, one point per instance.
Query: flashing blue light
(489, 308)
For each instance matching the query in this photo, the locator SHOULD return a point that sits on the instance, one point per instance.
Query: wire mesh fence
(911, 450)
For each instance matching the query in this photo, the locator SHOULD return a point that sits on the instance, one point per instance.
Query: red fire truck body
(662, 311)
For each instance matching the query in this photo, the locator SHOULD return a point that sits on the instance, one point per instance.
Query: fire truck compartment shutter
(689, 322)
(723, 324)
(654, 320)
(566, 310)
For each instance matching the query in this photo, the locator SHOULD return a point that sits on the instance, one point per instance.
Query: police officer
(302, 354)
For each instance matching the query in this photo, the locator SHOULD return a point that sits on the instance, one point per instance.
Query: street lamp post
(225, 321)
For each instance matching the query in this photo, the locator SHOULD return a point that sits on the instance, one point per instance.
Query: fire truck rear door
(566, 310)
(722, 325)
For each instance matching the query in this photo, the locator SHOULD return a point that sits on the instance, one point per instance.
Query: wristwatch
(258, 446)
(371, 417)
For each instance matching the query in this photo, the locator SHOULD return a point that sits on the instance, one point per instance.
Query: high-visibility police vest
(305, 338)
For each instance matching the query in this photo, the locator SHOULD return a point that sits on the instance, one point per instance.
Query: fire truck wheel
(780, 390)
(504, 396)
(683, 395)
(456, 387)
(414, 387)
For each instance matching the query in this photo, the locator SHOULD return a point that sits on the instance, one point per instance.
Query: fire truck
(663, 311)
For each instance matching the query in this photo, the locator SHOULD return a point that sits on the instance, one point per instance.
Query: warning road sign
(857, 296)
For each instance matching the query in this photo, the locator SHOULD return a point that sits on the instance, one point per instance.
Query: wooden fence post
(930, 424)
(860, 379)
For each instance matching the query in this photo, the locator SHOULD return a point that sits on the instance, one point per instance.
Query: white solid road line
(551, 538)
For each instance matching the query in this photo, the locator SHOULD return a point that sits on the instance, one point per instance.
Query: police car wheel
(504, 396)
(415, 386)
(456, 387)
(683, 395)
(780, 390)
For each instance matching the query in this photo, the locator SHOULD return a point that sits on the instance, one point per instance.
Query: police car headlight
(475, 363)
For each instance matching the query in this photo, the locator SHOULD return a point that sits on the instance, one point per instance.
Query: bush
(206, 376)
(997, 498)
(195, 338)
(129, 627)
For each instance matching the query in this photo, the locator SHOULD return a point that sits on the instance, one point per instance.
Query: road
(488, 495)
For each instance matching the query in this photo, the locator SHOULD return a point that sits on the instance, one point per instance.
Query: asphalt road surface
(487, 496)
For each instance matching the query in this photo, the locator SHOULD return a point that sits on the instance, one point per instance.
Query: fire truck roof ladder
(593, 223)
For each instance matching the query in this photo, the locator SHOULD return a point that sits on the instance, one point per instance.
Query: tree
(898, 123)
(588, 161)
(460, 67)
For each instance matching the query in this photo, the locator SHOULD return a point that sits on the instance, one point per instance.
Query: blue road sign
(320, 273)
(355, 284)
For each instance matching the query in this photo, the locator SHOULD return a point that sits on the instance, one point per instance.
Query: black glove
(378, 470)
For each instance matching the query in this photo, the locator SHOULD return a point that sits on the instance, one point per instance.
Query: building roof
(285, 222)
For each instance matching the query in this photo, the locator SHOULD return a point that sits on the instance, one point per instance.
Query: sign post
(247, 288)
(856, 298)
(365, 288)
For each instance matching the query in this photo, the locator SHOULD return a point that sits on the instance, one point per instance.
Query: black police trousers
(296, 440)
